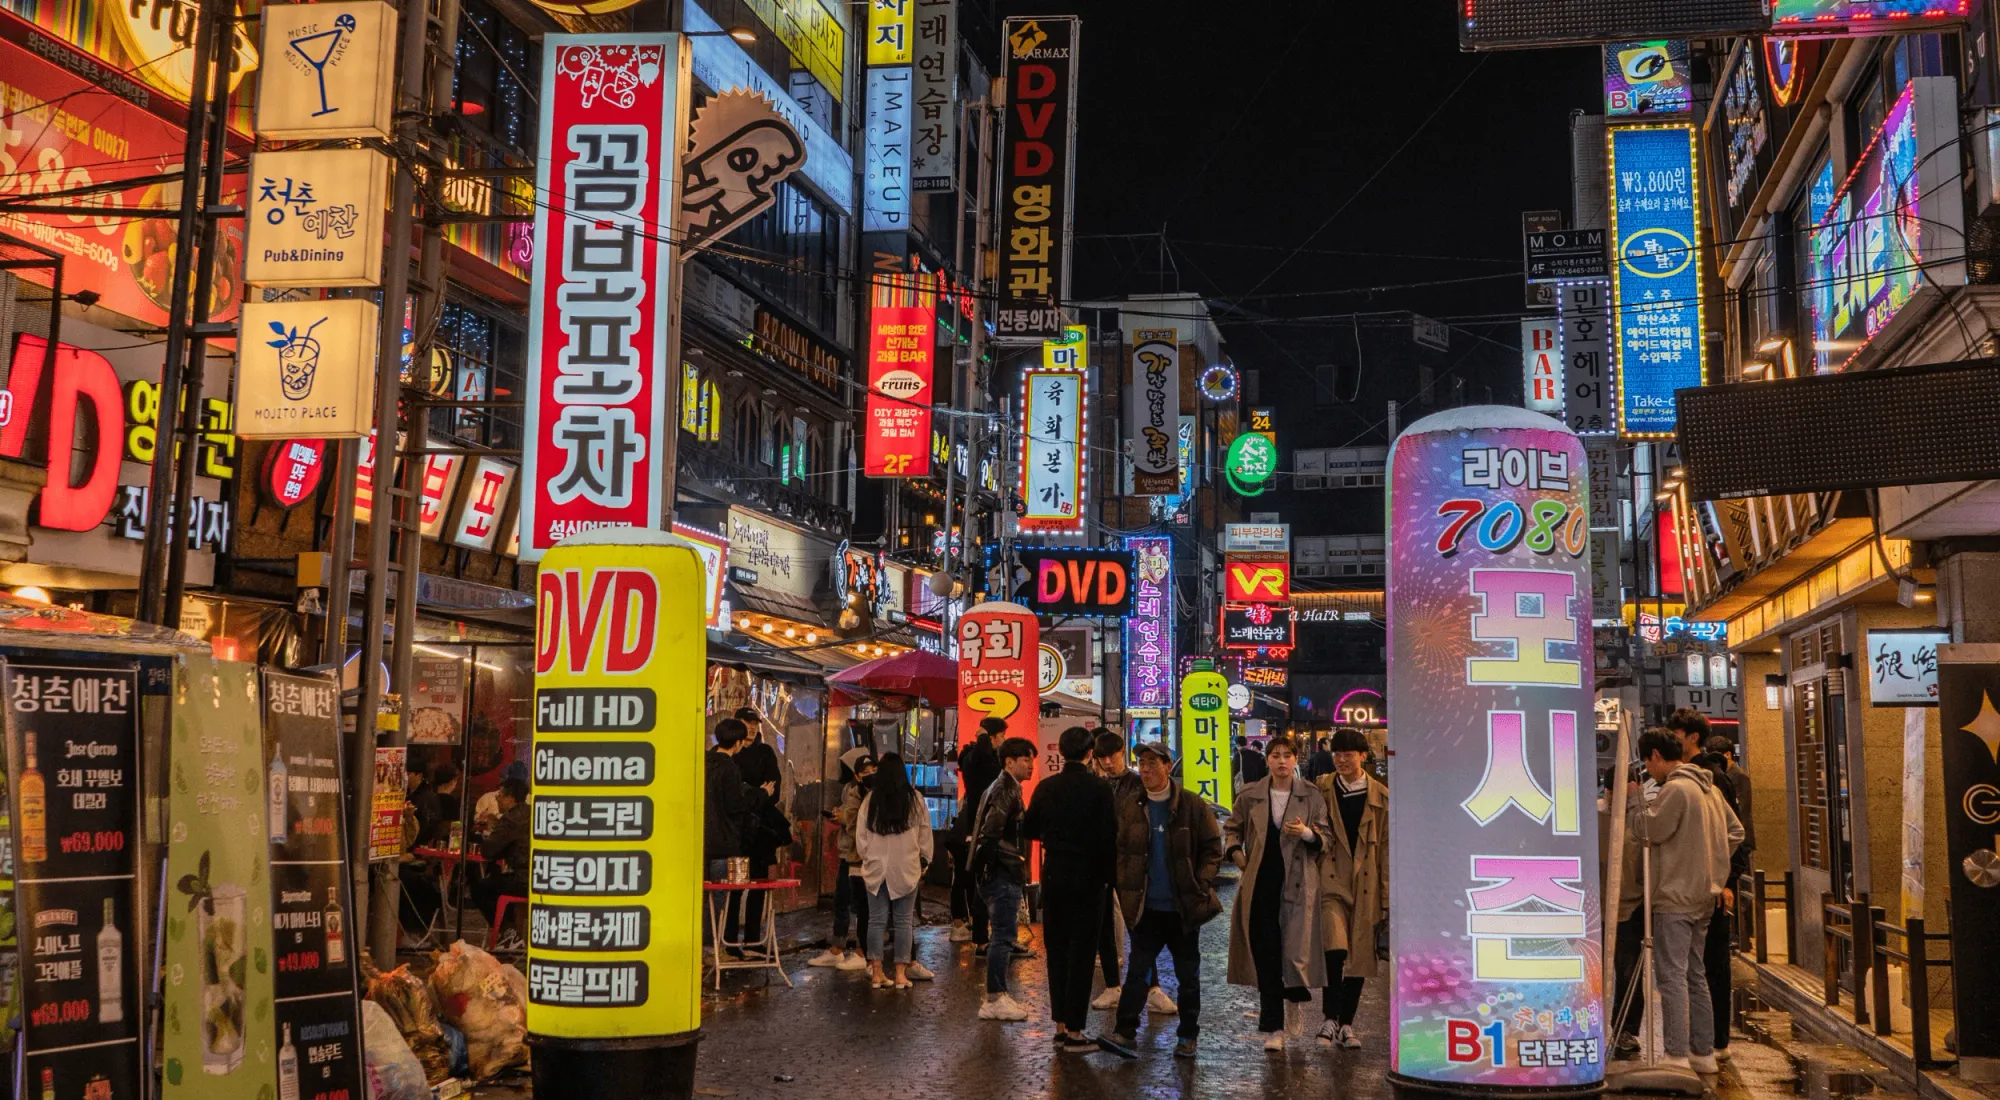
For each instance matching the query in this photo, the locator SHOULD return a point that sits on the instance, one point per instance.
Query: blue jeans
(1003, 907)
(883, 913)
(1687, 1016)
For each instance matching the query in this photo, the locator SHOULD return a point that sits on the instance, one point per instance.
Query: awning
(769, 662)
(758, 600)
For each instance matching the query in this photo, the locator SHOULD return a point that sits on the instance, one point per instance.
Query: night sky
(1241, 128)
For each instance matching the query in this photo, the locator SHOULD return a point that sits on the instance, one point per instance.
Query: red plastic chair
(500, 905)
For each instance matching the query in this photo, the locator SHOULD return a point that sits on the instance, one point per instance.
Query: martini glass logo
(298, 359)
(319, 50)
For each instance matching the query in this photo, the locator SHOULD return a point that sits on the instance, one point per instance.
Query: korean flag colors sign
(1496, 979)
(1656, 283)
(614, 119)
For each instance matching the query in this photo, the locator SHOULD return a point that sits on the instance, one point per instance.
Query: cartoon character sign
(740, 152)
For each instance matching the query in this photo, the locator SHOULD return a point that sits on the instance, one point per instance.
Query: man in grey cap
(1169, 850)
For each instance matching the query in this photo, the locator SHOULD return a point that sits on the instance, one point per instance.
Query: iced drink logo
(298, 359)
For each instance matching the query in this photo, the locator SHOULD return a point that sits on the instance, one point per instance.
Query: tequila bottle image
(110, 968)
(34, 811)
(336, 934)
(275, 810)
(288, 1068)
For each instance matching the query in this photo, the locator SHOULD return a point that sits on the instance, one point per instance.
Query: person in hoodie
(1690, 832)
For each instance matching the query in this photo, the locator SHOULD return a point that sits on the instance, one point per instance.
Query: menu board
(72, 751)
(312, 942)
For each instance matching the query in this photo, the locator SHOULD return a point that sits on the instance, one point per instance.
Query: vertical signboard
(1541, 378)
(312, 938)
(999, 669)
(1969, 721)
(934, 142)
(613, 126)
(1589, 390)
(886, 199)
(1494, 886)
(1205, 742)
(1656, 277)
(1153, 411)
(614, 891)
(1038, 144)
(73, 778)
(901, 347)
(889, 32)
(1052, 450)
(1149, 630)
(218, 1042)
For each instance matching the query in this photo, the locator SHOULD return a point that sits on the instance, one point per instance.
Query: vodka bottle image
(34, 811)
(110, 968)
(276, 808)
(336, 934)
(288, 1068)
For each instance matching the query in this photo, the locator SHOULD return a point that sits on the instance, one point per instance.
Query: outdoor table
(717, 896)
(448, 861)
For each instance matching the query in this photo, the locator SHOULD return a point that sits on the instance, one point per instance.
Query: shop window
(497, 72)
(821, 479)
(485, 356)
(767, 436)
(743, 432)
(791, 252)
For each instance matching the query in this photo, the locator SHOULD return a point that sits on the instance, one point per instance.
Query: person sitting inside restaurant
(505, 850)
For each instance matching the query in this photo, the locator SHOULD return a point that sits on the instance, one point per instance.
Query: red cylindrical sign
(292, 470)
(999, 669)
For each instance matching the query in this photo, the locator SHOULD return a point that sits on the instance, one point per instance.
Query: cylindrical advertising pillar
(614, 943)
(1496, 976)
(999, 674)
(1205, 744)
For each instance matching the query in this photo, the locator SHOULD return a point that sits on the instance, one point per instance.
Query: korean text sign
(613, 123)
(1152, 412)
(1149, 631)
(1205, 739)
(1588, 387)
(1656, 283)
(901, 349)
(1053, 404)
(614, 925)
(1038, 145)
(1496, 980)
(999, 668)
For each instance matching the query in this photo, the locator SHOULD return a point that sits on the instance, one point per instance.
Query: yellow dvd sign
(614, 894)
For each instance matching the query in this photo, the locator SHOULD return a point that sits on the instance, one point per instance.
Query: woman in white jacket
(893, 839)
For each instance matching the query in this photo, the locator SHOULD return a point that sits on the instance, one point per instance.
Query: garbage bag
(407, 1001)
(487, 1000)
(393, 1072)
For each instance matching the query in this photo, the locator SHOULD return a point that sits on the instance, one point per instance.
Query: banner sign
(1038, 146)
(901, 347)
(1257, 538)
(613, 120)
(1077, 580)
(614, 891)
(1152, 412)
(1589, 391)
(1558, 254)
(1205, 742)
(385, 812)
(312, 939)
(1541, 381)
(739, 150)
(999, 670)
(329, 71)
(73, 777)
(1149, 632)
(886, 206)
(1969, 720)
(1053, 406)
(1648, 78)
(1257, 581)
(1656, 285)
(1903, 667)
(1495, 980)
(218, 1037)
(1257, 626)
(934, 149)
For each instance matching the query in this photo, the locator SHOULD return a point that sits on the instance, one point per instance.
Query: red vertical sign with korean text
(999, 671)
(613, 125)
(902, 343)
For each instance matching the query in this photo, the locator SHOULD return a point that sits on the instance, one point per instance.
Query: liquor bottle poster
(218, 1039)
(1496, 982)
(312, 938)
(72, 744)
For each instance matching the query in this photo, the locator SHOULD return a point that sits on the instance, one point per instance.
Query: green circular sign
(1252, 459)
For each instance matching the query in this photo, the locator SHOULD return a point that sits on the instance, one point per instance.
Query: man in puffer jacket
(1690, 832)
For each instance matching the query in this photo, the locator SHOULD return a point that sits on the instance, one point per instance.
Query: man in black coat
(1071, 815)
(978, 766)
(767, 830)
(731, 808)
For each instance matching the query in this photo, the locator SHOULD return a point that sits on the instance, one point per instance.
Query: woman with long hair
(894, 843)
(1276, 834)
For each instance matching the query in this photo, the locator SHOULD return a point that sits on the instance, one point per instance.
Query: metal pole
(153, 565)
(347, 463)
(180, 523)
(388, 389)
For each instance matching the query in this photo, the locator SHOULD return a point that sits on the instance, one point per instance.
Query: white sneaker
(1158, 1001)
(1003, 1007)
(1722, 1054)
(854, 960)
(961, 932)
(1673, 1061)
(1348, 1039)
(1108, 998)
(1704, 1063)
(1329, 1033)
(829, 957)
(919, 972)
(1274, 1040)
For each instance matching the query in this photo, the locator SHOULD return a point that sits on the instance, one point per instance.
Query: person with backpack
(999, 865)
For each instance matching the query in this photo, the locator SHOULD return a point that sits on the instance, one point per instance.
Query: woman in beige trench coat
(1354, 883)
(1276, 833)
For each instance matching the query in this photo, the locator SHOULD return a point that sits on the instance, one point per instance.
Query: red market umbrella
(915, 673)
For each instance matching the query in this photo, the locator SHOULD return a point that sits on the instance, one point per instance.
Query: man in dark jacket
(731, 806)
(1250, 766)
(766, 831)
(506, 849)
(1072, 817)
(1169, 850)
(1000, 866)
(978, 766)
